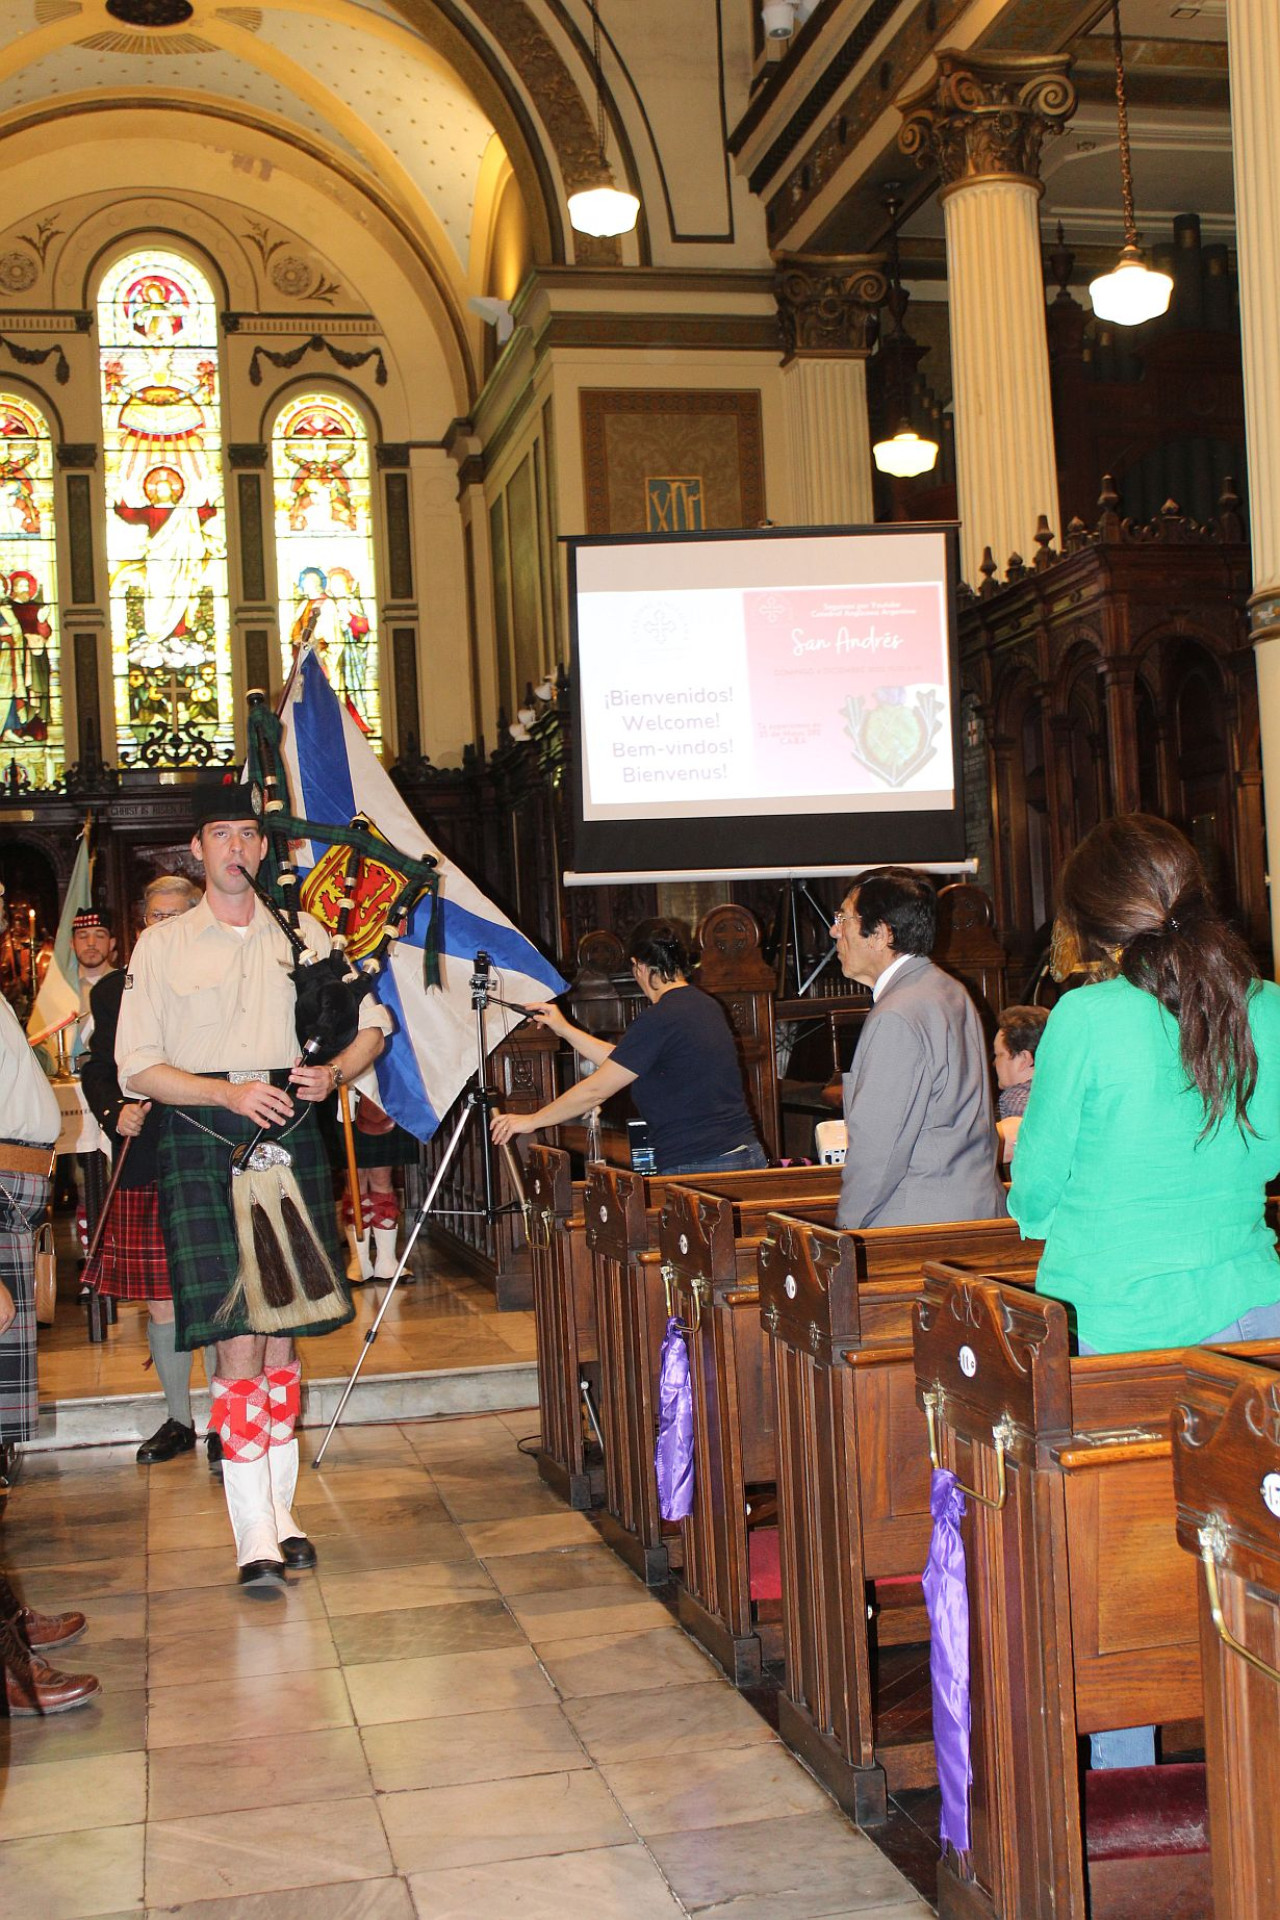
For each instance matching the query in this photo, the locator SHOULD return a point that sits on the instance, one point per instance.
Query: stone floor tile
(490, 1539)
(435, 1583)
(191, 1617)
(579, 1612)
(562, 1570)
(627, 1663)
(716, 1789)
(465, 1626)
(263, 1772)
(546, 1813)
(449, 1685)
(368, 1548)
(285, 1703)
(671, 1721)
(502, 1745)
(59, 1589)
(354, 1900)
(61, 1796)
(264, 1849)
(247, 1645)
(798, 1868)
(95, 1872)
(606, 1883)
(113, 1723)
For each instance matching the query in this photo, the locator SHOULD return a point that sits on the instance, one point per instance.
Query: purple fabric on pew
(673, 1458)
(947, 1602)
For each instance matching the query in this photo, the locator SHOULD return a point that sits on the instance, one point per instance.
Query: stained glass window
(166, 517)
(30, 692)
(324, 546)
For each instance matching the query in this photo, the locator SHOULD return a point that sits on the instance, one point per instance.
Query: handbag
(371, 1118)
(46, 1275)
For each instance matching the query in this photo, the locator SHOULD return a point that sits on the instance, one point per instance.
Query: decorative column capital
(984, 116)
(828, 302)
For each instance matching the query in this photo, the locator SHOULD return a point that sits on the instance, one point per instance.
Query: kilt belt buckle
(243, 1075)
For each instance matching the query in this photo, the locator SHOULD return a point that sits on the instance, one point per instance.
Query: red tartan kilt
(130, 1263)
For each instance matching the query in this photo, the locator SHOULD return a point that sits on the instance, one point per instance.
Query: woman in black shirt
(677, 1056)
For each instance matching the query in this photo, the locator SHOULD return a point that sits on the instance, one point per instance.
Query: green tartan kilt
(197, 1222)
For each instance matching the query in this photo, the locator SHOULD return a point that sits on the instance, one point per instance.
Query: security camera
(495, 313)
(779, 18)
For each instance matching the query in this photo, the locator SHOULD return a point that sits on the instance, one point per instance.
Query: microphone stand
(480, 1099)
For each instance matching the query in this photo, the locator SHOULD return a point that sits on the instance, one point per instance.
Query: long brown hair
(1134, 892)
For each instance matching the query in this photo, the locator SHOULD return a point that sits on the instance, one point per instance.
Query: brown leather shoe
(42, 1690)
(41, 1630)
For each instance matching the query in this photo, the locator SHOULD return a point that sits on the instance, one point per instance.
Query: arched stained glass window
(30, 691)
(324, 546)
(166, 519)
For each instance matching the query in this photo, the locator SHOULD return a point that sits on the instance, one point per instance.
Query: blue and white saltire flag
(333, 774)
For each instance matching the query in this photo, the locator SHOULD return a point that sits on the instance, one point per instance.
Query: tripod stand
(480, 1098)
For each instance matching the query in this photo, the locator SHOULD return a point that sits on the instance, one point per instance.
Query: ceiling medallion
(151, 13)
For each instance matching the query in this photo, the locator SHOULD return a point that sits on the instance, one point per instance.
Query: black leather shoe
(263, 1579)
(166, 1443)
(213, 1453)
(298, 1551)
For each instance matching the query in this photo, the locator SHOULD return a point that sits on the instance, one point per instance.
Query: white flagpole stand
(482, 1099)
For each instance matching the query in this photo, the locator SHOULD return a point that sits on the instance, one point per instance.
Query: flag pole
(353, 1172)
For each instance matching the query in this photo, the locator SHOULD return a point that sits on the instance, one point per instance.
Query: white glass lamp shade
(603, 211)
(779, 18)
(1132, 292)
(906, 454)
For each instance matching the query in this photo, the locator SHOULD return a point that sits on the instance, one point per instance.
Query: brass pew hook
(1002, 1435)
(699, 1288)
(1213, 1551)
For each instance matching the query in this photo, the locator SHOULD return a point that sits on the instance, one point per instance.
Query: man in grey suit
(917, 1101)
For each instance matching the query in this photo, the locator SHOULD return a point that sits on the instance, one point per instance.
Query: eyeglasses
(842, 918)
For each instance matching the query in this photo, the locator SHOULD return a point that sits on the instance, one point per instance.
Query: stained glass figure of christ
(324, 546)
(166, 518)
(30, 691)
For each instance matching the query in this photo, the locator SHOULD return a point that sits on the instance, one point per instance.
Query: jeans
(738, 1160)
(1136, 1746)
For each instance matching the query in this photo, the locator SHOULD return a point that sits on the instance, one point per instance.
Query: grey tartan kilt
(198, 1226)
(23, 1199)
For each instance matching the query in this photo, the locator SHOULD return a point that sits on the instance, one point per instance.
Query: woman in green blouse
(1153, 1125)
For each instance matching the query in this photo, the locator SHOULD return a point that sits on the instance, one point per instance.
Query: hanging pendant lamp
(1132, 292)
(602, 210)
(904, 453)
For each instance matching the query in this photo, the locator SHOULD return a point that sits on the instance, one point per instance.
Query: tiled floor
(472, 1711)
(443, 1318)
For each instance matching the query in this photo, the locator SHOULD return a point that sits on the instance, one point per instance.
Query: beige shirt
(207, 998)
(28, 1104)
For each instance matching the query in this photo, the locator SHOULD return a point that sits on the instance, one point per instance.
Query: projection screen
(771, 701)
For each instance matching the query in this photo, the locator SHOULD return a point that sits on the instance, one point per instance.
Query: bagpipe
(362, 890)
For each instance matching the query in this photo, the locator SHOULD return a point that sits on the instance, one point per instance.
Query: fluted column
(1253, 43)
(981, 120)
(826, 311)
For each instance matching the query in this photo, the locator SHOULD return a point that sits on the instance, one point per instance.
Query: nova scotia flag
(333, 774)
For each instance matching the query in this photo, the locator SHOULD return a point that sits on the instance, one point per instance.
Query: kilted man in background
(130, 1263)
(207, 1030)
(29, 1124)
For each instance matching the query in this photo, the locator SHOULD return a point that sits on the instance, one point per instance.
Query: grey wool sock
(173, 1368)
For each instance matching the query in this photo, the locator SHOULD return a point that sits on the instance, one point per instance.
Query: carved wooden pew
(1226, 1476)
(1082, 1608)
(564, 1325)
(853, 1481)
(708, 1237)
(623, 1210)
